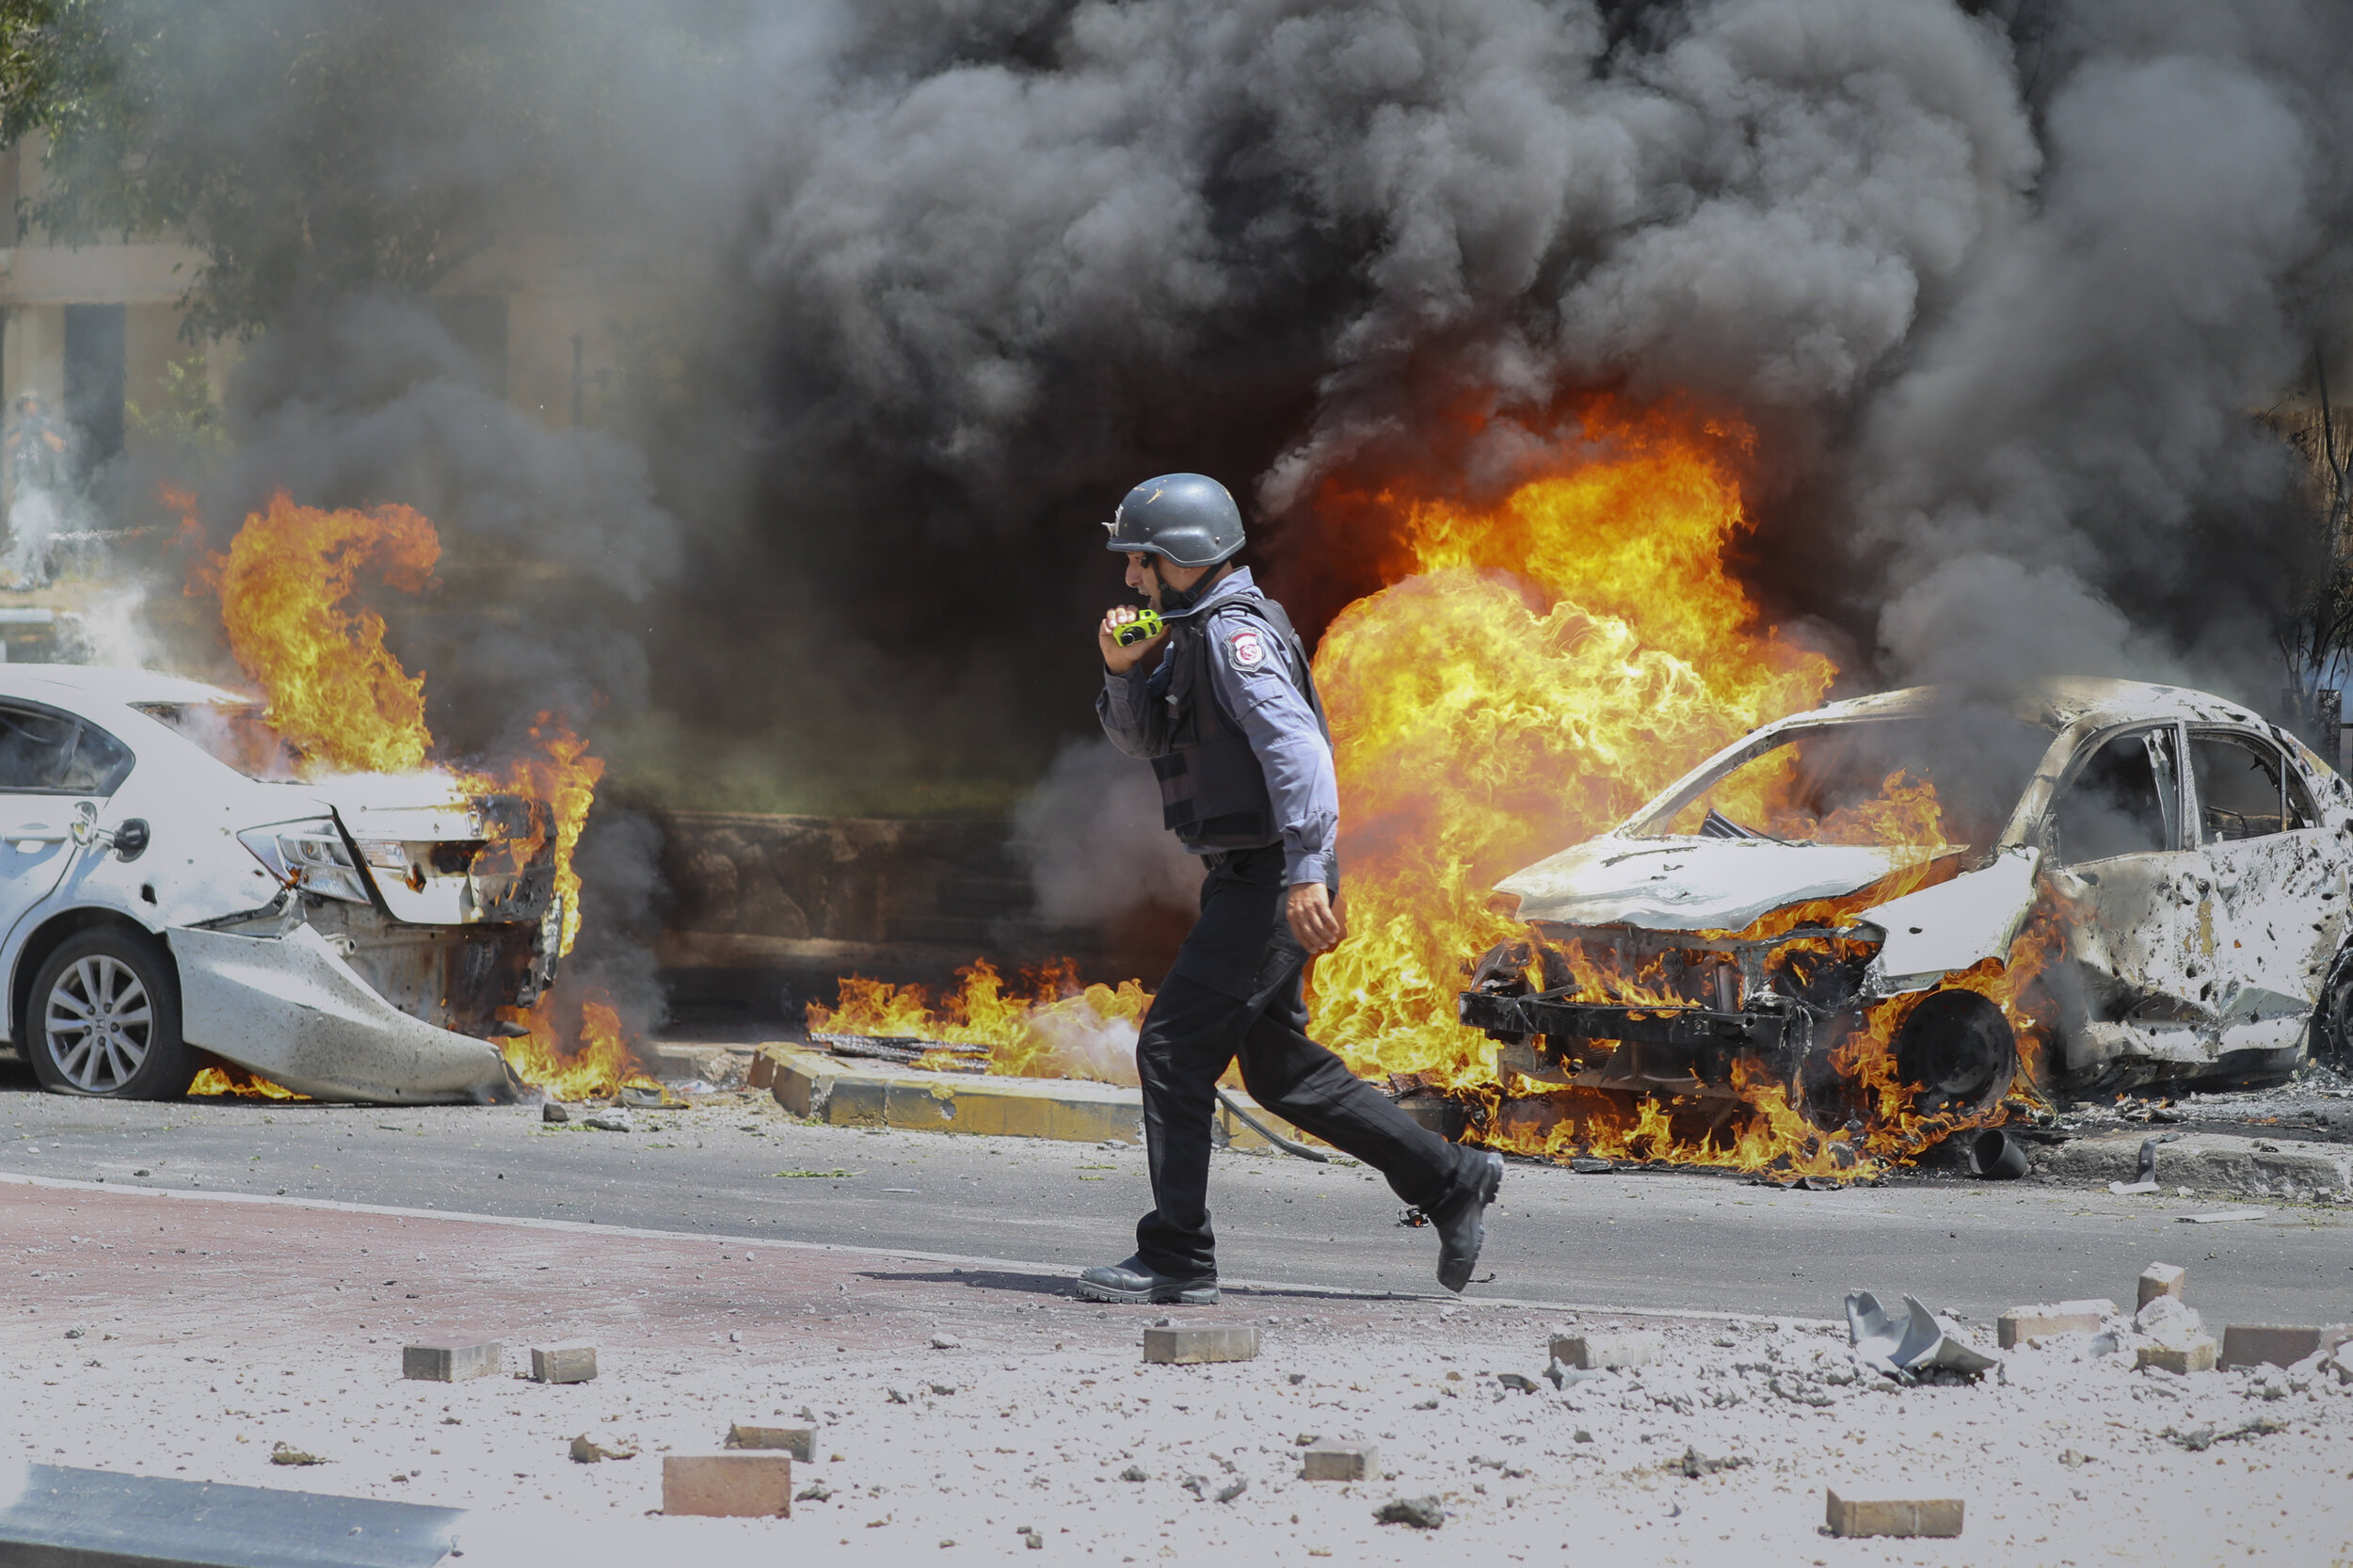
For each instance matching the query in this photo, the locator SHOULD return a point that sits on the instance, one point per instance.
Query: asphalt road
(742, 1168)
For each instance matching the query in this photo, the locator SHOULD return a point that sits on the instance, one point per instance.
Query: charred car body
(2105, 884)
(167, 890)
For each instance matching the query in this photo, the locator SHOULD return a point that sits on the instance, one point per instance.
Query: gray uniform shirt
(1251, 676)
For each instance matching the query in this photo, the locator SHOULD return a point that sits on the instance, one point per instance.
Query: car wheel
(2331, 1041)
(103, 1019)
(1958, 1050)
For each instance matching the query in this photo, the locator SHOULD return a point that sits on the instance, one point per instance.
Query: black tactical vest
(1213, 793)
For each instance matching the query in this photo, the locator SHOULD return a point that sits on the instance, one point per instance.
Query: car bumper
(290, 1009)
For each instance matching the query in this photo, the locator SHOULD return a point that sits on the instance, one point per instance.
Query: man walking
(1229, 719)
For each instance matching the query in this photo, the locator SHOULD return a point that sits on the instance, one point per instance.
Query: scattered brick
(1342, 1462)
(1589, 1352)
(1195, 1344)
(574, 1361)
(449, 1360)
(2159, 1279)
(1851, 1515)
(2279, 1344)
(761, 1073)
(728, 1486)
(800, 1442)
(555, 1111)
(2021, 1323)
(2196, 1356)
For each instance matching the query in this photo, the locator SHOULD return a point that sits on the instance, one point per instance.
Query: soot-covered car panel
(2105, 883)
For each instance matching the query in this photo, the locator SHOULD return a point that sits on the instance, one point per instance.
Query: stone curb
(843, 1094)
(2210, 1162)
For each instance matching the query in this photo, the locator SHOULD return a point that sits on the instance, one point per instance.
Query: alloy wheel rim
(100, 1022)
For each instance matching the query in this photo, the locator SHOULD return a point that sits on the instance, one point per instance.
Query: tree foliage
(317, 148)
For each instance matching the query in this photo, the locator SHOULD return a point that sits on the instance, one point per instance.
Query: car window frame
(82, 722)
(2091, 746)
(2289, 778)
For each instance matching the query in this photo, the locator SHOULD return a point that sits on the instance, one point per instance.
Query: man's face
(1147, 574)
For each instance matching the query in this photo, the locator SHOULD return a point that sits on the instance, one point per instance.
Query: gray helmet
(1186, 518)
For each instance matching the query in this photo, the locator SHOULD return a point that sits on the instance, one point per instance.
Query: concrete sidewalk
(959, 1402)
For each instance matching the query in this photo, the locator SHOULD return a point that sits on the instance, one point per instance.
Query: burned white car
(168, 892)
(2072, 888)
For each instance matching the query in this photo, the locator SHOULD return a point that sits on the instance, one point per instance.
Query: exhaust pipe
(1997, 1156)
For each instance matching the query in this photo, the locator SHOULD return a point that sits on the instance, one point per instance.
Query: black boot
(1138, 1282)
(1461, 1221)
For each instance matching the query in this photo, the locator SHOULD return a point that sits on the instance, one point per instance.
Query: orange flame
(342, 698)
(236, 1084)
(1549, 666)
(591, 1060)
(1051, 1026)
(1535, 674)
(335, 692)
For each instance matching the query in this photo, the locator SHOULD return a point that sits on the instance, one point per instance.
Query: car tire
(2331, 1043)
(103, 1019)
(1958, 1051)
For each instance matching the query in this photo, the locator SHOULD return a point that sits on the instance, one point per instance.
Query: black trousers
(1235, 992)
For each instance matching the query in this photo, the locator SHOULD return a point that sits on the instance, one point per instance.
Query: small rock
(1133, 1472)
(587, 1451)
(942, 1389)
(1423, 1513)
(2197, 1440)
(816, 1494)
(1586, 1164)
(2075, 1459)
(1513, 1380)
(286, 1453)
(554, 1110)
(76, 1332)
(897, 1398)
(1035, 1541)
(1233, 1488)
(1694, 1464)
(607, 1121)
(1583, 1437)
(946, 1342)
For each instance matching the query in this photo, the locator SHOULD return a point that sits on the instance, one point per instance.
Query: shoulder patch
(1246, 648)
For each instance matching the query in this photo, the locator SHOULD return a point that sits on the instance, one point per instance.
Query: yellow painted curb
(832, 1090)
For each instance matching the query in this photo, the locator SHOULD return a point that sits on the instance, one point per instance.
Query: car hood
(1694, 883)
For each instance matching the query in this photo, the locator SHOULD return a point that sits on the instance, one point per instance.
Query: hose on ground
(1286, 1144)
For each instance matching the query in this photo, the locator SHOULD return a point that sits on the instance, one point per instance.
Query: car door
(50, 763)
(2143, 899)
(2280, 894)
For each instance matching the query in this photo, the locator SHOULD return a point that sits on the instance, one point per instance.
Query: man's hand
(1316, 920)
(1118, 660)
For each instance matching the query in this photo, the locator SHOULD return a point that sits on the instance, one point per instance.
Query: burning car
(1944, 897)
(174, 886)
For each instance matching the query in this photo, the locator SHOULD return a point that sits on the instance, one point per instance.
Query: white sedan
(168, 887)
(2145, 885)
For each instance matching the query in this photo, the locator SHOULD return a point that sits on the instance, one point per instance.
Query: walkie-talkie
(1142, 630)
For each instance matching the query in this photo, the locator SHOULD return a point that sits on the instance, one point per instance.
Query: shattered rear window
(234, 732)
(1944, 779)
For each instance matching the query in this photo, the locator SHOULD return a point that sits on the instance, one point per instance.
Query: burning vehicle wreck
(173, 888)
(1902, 915)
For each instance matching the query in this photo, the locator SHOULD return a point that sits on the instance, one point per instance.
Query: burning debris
(450, 891)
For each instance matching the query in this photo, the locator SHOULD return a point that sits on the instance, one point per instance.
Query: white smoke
(1091, 833)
